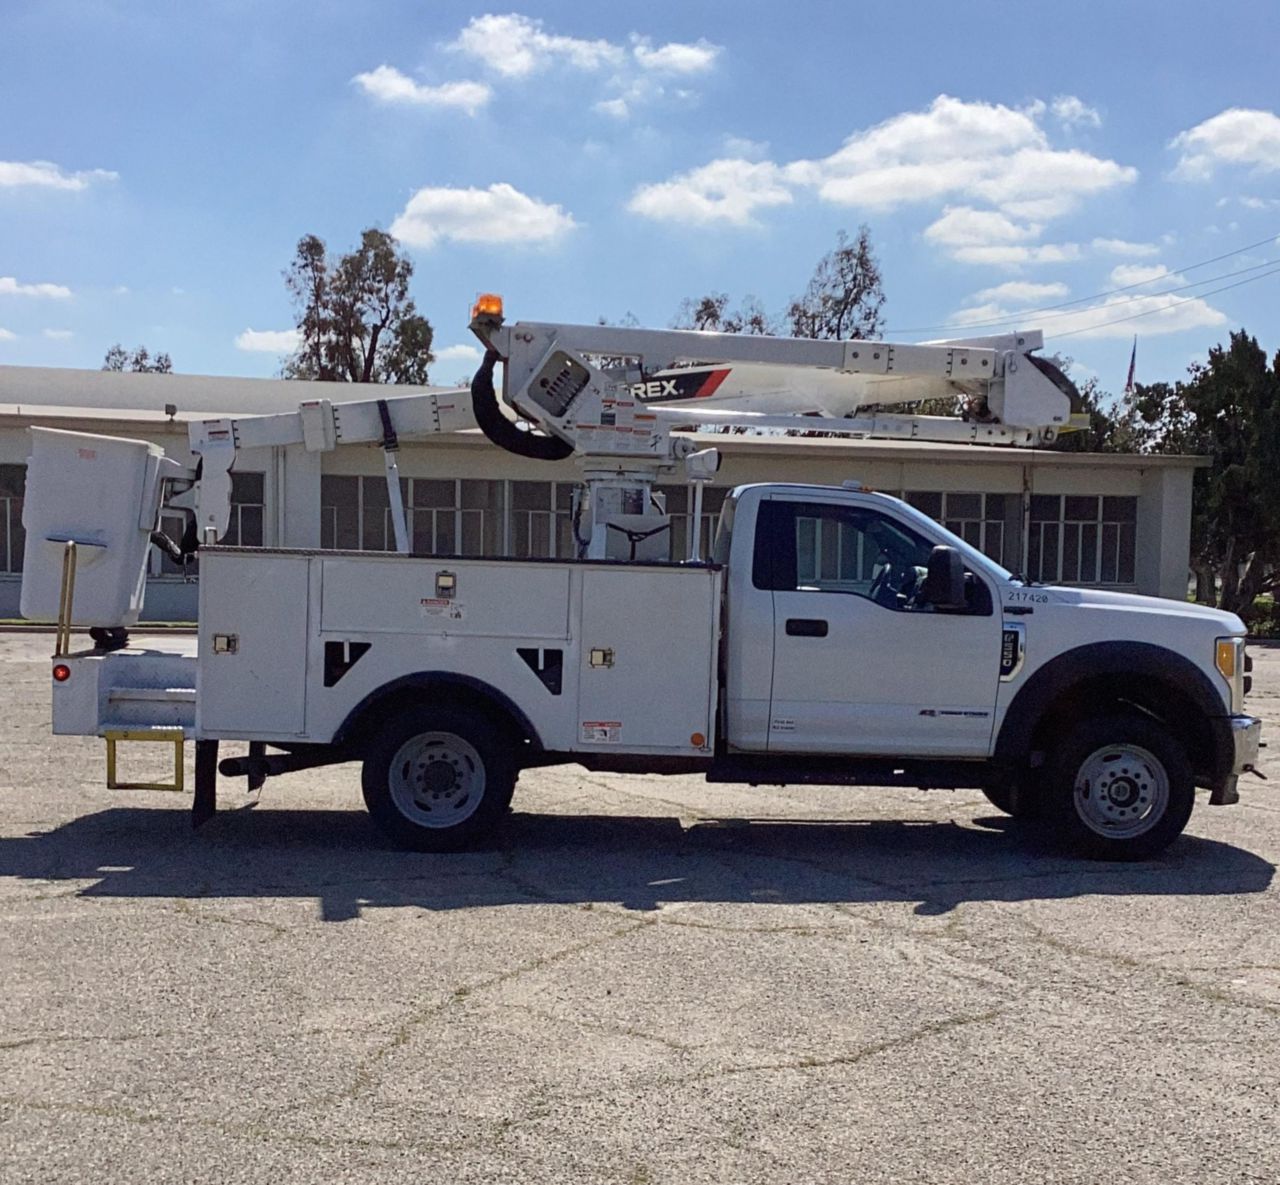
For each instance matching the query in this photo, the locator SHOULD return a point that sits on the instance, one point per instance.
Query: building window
(985, 521)
(244, 529)
(542, 520)
(247, 508)
(679, 500)
(1082, 539)
(444, 516)
(13, 483)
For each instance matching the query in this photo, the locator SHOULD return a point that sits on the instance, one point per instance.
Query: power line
(1035, 312)
(1129, 299)
(1165, 308)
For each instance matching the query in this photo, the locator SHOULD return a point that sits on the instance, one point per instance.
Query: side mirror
(944, 583)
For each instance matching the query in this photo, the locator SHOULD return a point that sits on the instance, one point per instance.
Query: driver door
(860, 665)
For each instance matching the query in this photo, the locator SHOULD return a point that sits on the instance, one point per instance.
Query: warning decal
(607, 732)
(440, 607)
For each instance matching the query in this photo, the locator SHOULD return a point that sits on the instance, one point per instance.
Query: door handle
(806, 627)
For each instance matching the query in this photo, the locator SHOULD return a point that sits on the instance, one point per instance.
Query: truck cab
(860, 627)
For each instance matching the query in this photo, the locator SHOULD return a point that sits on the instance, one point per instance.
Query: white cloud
(516, 46)
(617, 108)
(268, 341)
(1238, 136)
(1021, 292)
(1118, 316)
(459, 354)
(1124, 247)
(967, 152)
(120, 290)
(1249, 202)
(675, 57)
(499, 214)
(7, 335)
(963, 226)
(722, 191)
(45, 174)
(387, 85)
(58, 335)
(1071, 111)
(1125, 274)
(1017, 256)
(740, 146)
(991, 238)
(10, 287)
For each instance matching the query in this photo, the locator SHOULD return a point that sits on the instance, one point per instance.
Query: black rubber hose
(501, 430)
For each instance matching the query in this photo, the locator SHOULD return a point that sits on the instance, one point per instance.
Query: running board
(918, 773)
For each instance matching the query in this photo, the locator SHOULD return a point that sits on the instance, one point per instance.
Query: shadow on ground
(338, 859)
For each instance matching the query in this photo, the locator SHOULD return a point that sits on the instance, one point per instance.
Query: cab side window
(812, 547)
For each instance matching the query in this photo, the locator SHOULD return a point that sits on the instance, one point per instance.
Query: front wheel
(437, 779)
(1120, 789)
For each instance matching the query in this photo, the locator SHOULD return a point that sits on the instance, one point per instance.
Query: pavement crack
(853, 1056)
(613, 1030)
(366, 1071)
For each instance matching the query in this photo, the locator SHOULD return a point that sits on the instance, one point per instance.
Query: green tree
(1228, 409)
(138, 361)
(356, 321)
(844, 299)
(845, 296)
(711, 314)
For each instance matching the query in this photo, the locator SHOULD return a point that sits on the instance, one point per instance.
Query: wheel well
(1114, 693)
(425, 690)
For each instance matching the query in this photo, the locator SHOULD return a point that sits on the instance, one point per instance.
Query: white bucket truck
(836, 636)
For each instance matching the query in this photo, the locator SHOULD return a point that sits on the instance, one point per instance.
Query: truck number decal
(1036, 597)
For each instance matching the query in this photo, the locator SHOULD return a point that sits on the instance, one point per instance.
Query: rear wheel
(438, 779)
(1120, 789)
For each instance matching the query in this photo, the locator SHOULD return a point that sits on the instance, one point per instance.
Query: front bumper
(1246, 740)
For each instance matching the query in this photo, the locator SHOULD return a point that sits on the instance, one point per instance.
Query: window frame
(776, 561)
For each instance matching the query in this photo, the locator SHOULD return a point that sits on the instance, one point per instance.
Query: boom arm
(616, 395)
(318, 425)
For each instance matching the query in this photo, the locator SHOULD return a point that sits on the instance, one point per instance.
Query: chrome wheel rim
(1121, 791)
(437, 779)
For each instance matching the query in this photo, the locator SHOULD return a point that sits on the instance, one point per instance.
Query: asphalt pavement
(646, 980)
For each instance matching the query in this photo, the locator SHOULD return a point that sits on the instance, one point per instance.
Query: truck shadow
(638, 862)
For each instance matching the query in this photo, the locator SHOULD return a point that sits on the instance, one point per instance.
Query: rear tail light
(61, 672)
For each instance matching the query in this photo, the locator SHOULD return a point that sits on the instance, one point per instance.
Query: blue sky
(158, 162)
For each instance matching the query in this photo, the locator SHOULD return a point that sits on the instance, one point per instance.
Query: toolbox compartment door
(253, 645)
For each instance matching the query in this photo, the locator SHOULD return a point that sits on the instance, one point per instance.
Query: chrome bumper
(1246, 739)
(1246, 736)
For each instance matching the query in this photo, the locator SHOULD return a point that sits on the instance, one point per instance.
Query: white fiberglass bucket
(103, 493)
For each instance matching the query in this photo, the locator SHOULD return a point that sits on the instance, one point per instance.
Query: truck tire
(438, 779)
(1119, 788)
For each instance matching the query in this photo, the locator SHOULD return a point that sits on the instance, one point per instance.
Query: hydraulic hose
(499, 429)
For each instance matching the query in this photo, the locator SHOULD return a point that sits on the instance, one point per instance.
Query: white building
(1106, 520)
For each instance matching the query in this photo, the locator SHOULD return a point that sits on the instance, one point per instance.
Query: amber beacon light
(488, 304)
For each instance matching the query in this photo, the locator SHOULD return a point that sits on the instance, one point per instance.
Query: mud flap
(205, 803)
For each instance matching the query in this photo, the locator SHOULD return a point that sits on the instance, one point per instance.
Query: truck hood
(1093, 598)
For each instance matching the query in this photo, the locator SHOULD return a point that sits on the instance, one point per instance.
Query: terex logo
(654, 389)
